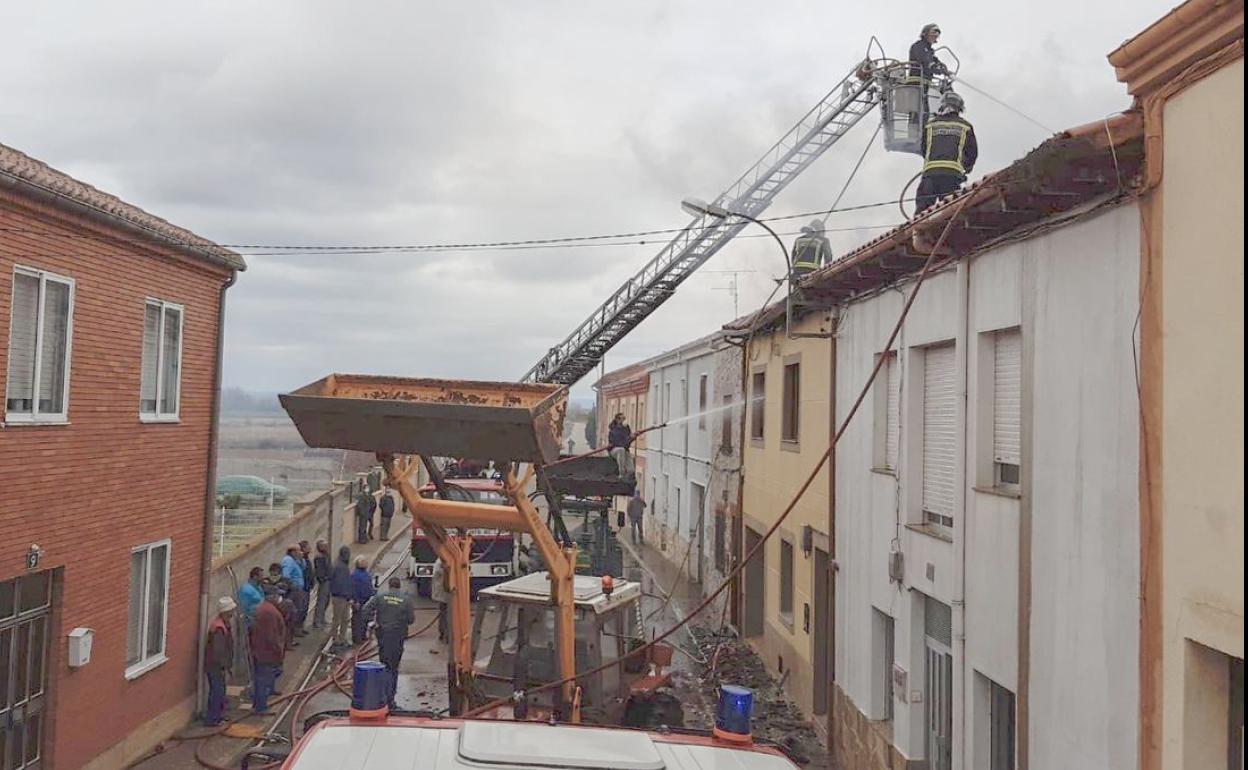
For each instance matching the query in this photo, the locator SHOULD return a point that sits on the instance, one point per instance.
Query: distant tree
(591, 430)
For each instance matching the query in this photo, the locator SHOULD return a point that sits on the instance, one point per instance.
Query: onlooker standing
(394, 614)
(251, 595)
(363, 515)
(636, 510)
(322, 570)
(268, 650)
(386, 506)
(292, 573)
(309, 581)
(342, 590)
(218, 660)
(361, 591)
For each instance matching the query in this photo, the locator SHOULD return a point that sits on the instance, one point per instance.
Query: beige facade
(1188, 72)
(780, 612)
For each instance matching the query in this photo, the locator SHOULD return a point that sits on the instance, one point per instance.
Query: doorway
(754, 588)
(25, 614)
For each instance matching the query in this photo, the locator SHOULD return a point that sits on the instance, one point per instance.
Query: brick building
(110, 320)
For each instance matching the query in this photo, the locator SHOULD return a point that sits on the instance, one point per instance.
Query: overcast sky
(306, 122)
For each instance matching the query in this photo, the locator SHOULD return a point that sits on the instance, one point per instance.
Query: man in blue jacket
(251, 594)
(362, 591)
(292, 573)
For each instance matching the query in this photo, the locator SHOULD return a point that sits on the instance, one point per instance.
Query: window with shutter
(161, 381)
(40, 331)
(939, 435)
(1007, 407)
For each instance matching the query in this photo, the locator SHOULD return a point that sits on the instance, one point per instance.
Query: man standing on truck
(394, 613)
(619, 436)
(386, 506)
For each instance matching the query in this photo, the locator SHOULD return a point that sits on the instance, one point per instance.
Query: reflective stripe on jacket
(810, 252)
(949, 145)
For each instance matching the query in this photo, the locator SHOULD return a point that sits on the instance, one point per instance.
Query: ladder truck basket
(903, 109)
(502, 421)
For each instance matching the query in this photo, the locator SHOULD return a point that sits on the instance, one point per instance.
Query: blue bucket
(370, 691)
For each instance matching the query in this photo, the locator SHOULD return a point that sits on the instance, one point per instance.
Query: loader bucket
(501, 421)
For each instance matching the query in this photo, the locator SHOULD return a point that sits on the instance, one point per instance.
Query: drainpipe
(210, 498)
(830, 684)
(959, 525)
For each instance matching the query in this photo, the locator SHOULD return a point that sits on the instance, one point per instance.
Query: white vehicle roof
(587, 591)
(501, 745)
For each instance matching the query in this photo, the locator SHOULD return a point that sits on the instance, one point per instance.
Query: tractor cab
(514, 644)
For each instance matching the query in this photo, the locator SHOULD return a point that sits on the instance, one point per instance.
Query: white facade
(690, 468)
(1042, 429)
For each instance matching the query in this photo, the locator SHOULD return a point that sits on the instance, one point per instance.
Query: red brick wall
(89, 491)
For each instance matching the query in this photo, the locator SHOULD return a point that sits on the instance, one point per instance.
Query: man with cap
(394, 612)
(268, 649)
(218, 659)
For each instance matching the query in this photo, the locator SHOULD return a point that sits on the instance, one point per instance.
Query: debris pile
(776, 719)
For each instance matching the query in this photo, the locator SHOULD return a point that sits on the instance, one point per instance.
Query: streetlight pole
(700, 208)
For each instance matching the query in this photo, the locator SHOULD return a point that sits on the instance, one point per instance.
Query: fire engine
(493, 551)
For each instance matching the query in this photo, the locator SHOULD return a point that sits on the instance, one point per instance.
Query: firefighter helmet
(815, 226)
(930, 28)
(951, 101)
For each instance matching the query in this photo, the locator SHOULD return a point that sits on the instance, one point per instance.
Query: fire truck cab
(416, 743)
(493, 552)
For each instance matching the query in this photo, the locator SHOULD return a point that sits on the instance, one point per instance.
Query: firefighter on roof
(949, 152)
(811, 250)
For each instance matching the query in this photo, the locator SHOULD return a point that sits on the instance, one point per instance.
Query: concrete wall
(1073, 292)
(1202, 392)
(773, 472)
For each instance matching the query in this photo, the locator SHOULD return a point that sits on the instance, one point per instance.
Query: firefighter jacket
(810, 252)
(923, 61)
(949, 146)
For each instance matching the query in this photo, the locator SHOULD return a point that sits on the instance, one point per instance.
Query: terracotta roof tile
(21, 166)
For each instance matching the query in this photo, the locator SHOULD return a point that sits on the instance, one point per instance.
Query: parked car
(251, 487)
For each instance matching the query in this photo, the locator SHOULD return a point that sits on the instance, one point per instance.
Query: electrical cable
(1014, 110)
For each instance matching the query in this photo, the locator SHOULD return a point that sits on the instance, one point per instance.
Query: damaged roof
(1068, 170)
(29, 175)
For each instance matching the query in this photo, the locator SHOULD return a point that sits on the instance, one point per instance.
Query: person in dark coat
(322, 570)
(950, 150)
(394, 613)
(341, 591)
(362, 591)
(268, 649)
(636, 512)
(363, 516)
(619, 436)
(923, 61)
(219, 660)
(386, 507)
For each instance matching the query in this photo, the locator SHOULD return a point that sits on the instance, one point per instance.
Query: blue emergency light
(732, 715)
(370, 691)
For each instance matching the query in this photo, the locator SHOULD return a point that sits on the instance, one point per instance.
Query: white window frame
(148, 662)
(158, 415)
(36, 416)
(881, 462)
(998, 481)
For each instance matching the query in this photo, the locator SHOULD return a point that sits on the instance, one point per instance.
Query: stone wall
(859, 743)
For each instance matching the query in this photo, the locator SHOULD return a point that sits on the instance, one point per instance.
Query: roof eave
(1177, 40)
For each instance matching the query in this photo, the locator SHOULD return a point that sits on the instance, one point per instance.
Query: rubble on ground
(776, 719)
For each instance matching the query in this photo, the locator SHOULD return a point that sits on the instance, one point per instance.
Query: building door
(754, 574)
(823, 651)
(25, 609)
(697, 510)
(938, 622)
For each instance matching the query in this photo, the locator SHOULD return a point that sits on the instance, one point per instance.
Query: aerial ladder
(874, 81)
